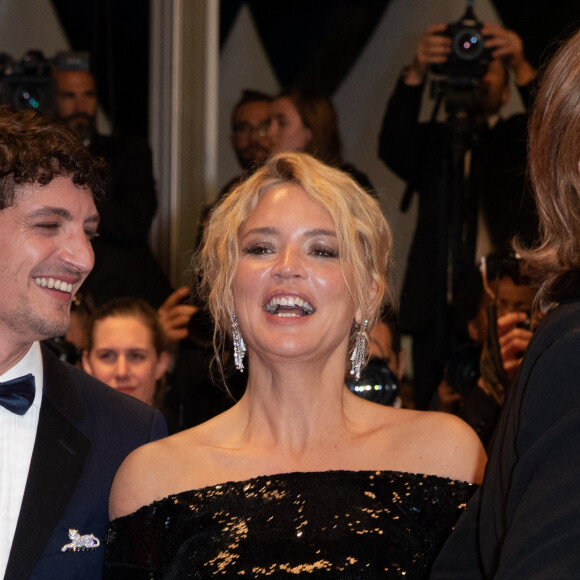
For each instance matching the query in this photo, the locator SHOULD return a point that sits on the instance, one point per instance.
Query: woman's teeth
(288, 306)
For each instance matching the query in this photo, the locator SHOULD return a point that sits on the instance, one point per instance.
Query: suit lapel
(56, 465)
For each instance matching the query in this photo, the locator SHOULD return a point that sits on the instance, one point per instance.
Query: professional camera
(469, 59)
(28, 83)
(377, 383)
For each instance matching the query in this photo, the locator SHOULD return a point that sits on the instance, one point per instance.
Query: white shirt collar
(31, 363)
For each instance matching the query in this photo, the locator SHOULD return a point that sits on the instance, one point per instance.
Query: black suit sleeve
(459, 557)
(158, 427)
(542, 507)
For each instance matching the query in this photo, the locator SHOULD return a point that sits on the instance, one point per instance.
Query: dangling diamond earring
(239, 346)
(357, 358)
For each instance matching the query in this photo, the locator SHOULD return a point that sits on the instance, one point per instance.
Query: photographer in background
(493, 180)
(488, 353)
(124, 263)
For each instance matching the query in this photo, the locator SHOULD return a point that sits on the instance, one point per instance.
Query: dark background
(308, 43)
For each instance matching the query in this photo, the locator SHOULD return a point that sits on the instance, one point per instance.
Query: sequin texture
(335, 524)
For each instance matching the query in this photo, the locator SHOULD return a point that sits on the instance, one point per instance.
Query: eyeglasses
(246, 130)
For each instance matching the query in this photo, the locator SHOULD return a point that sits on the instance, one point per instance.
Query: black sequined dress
(333, 524)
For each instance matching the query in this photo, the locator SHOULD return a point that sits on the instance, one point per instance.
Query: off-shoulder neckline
(286, 475)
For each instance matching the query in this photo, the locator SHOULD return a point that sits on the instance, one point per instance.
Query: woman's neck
(294, 406)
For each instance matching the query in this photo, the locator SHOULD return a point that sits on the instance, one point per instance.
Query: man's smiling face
(45, 255)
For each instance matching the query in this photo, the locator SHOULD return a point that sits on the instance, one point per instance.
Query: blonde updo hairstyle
(363, 234)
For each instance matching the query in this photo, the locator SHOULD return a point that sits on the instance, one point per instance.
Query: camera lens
(27, 98)
(468, 44)
(377, 383)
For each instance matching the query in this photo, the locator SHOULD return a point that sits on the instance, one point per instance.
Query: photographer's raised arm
(508, 46)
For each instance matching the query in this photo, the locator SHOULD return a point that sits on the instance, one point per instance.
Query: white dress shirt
(17, 435)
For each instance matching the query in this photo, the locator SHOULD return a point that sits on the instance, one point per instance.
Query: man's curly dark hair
(35, 149)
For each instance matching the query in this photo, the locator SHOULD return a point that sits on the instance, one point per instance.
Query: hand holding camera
(462, 51)
(514, 335)
(508, 46)
(433, 49)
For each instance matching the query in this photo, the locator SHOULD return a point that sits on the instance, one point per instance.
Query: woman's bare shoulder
(441, 444)
(154, 471)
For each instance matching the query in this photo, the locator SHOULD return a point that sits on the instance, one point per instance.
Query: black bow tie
(17, 395)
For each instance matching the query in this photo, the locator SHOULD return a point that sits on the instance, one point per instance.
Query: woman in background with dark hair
(307, 122)
(126, 348)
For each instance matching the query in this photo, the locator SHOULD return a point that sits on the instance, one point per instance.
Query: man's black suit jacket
(85, 430)
(524, 521)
